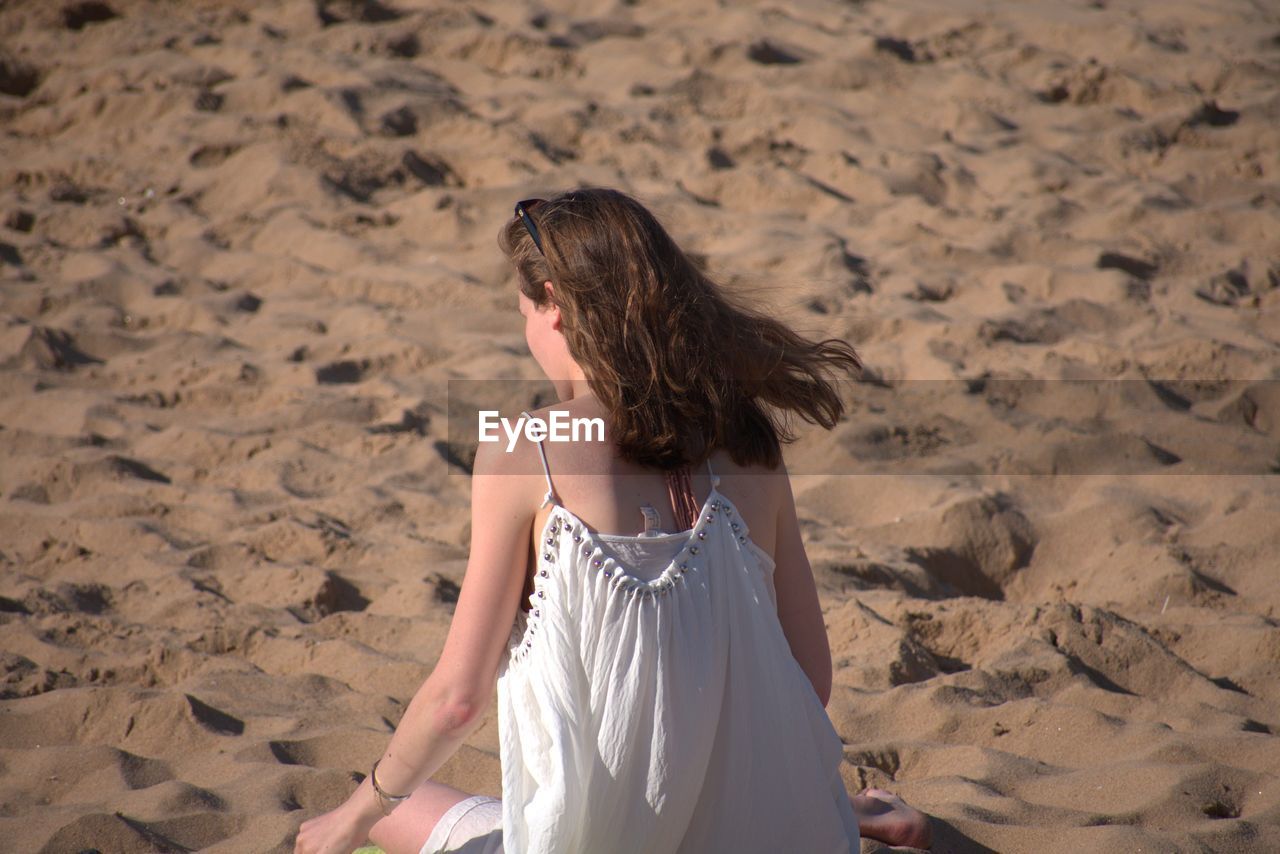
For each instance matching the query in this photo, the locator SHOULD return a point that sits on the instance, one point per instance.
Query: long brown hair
(680, 366)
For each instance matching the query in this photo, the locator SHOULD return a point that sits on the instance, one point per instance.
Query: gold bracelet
(383, 797)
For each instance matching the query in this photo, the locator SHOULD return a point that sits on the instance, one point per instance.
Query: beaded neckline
(618, 576)
(609, 567)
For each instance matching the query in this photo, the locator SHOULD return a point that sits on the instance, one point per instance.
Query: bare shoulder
(753, 477)
(573, 434)
(566, 411)
(511, 471)
(760, 494)
(494, 459)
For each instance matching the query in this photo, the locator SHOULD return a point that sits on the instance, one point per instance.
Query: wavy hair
(680, 366)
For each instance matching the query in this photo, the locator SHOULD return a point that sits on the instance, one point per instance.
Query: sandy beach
(246, 249)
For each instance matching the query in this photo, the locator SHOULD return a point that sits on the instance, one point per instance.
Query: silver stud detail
(546, 555)
(577, 538)
(541, 595)
(710, 518)
(537, 613)
(586, 550)
(693, 550)
(734, 525)
(597, 563)
(608, 573)
(684, 567)
(742, 539)
(543, 573)
(702, 535)
(551, 541)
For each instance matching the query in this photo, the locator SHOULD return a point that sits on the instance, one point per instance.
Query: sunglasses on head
(522, 211)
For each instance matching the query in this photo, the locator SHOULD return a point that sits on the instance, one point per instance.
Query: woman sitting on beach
(657, 692)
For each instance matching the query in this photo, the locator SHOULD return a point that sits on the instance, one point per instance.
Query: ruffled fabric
(658, 708)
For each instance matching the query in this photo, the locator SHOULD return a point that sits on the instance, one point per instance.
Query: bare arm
(450, 704)
(460, 687)
(798, 608)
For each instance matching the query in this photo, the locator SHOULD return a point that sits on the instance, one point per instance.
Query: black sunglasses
(522, 211)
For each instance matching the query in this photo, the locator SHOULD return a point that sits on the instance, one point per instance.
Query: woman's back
(651, 701)
(607, 491)
(661, 692)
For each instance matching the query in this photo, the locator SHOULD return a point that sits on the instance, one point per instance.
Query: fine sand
(245, 246)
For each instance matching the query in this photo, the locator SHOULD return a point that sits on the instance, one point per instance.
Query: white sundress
(650, 702)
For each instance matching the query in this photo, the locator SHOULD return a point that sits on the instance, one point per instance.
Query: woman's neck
(576, 388)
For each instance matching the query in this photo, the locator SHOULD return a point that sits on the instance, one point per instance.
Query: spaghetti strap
(546, 469)
(715, 478)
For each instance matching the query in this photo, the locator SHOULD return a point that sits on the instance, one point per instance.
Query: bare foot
(887, 818)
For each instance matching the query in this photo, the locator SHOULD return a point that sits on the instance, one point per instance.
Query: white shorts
(471, 826)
